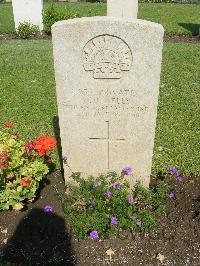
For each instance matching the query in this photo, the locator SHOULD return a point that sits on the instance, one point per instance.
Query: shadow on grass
(193, 28)
(39, 239)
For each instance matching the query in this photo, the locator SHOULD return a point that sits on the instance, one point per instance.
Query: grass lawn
(28, 100)
(176, 18)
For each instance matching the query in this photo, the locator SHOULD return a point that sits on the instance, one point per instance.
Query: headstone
(28, 11)
(107, 79)
(125, 8)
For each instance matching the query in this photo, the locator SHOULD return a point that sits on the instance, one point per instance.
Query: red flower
(29, 146)
(44, 144)
(3, 165)
(8, 125)
(3, 159)
(25, 182)
(3, 156)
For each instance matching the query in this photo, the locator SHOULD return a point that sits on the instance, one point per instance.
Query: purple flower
(91, 204)
(127, 170)
(177, 171)
(179, 179)
(94, 234)
(170, 168)
(113, 221)
(116, 185)
(139, 223)
(48, 209)
(95, 184)
(64, 158)
(108, 194)
(131, 200)
(171, 195)
(173, 170)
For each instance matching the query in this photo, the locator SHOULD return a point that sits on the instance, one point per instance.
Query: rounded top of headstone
(139, 22)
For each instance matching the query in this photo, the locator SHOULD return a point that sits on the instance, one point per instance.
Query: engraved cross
(108, 140)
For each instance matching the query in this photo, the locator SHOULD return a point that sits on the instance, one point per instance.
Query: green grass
(176, 18)
(178, 113)
(28, 100)
(27, 87)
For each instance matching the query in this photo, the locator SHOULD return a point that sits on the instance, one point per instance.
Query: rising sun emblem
(107, 57)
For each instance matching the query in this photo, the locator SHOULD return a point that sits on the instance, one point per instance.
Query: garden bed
(173, 38)
(37, 238)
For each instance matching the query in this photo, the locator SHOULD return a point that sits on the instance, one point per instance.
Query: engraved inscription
(87, 110)
(107, 102)
(107, 57)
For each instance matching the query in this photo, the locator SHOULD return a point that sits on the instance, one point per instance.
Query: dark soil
(182, 38)
(13, 36)
(32, 237)
(44, 36)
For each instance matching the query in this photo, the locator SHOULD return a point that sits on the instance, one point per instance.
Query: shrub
(52, 15)
(102, 207)
(27, 30)
(22, 168)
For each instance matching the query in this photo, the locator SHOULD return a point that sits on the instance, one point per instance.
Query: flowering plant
(22, 167)
(101, 207)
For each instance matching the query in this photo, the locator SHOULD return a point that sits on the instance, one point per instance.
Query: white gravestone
(107, 74)
(125, 8)
(28, 11)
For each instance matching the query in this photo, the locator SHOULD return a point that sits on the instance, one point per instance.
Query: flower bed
(35, 236)
(22, 168)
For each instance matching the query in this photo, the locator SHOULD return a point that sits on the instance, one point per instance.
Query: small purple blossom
(174, 170)
(113, 221)
(48, 209)
(131, 200)
(170, 168)
(91, 204)
(177, 171)
(64, 158)
(139, 223)
(171, 195)
(94, 234)
(108, 194)
(116, 185)
(95, 184)
(179, 179)
(127, 170)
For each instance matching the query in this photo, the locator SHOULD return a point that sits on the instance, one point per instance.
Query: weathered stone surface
(107, 78)
(28, 11)
(122, 8)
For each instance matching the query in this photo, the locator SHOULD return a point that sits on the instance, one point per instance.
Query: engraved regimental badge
(107, 57)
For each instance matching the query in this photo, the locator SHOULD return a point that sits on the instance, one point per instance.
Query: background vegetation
(177, 19)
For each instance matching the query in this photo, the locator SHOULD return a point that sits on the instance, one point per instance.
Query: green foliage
(52, 15)
(27, 30)
(89, 206)
(20, 172)
(177, 19)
